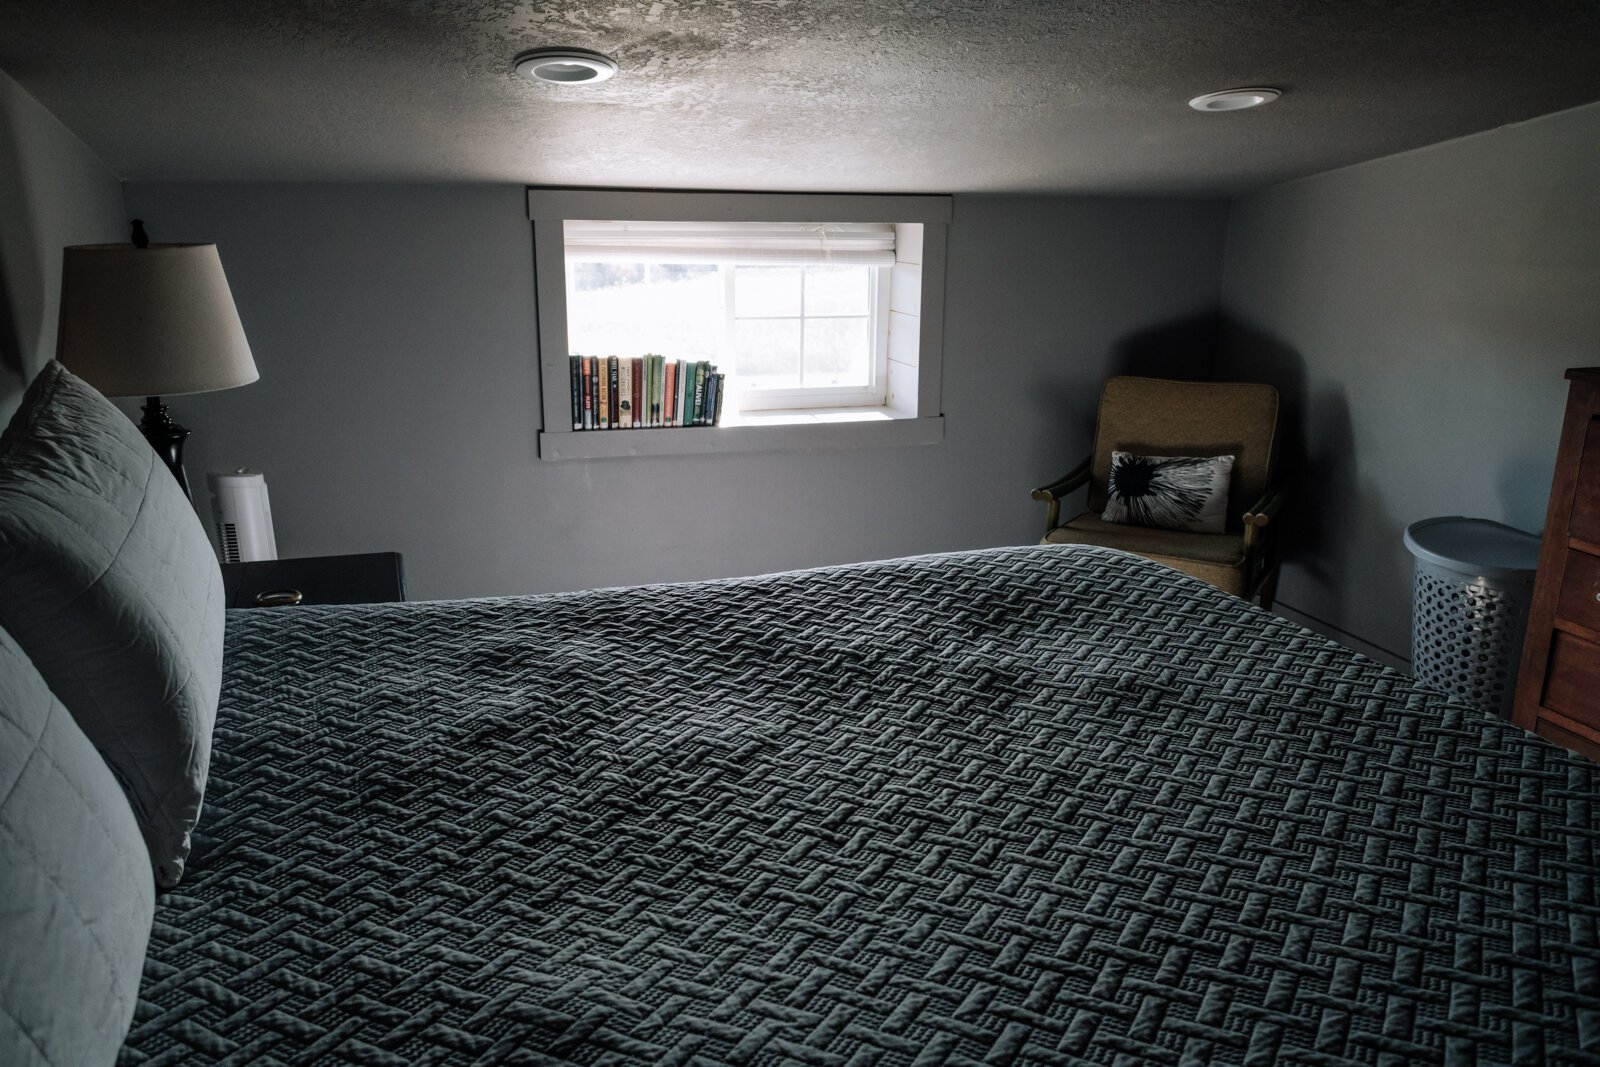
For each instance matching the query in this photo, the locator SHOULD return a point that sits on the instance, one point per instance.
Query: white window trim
(810, 430)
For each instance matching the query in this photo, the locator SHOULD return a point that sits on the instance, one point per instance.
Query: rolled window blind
(869, 244)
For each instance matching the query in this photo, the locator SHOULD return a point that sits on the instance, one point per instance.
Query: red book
(638, 392)
(670, 391)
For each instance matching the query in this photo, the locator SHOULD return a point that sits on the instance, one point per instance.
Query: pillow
(1188, 493)
(76, 900)
(112, 590)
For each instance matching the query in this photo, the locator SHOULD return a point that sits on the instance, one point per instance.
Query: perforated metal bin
(1474, 582)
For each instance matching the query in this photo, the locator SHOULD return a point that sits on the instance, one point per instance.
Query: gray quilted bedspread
(1033, 805)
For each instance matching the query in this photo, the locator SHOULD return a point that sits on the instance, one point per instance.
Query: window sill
(769, 431)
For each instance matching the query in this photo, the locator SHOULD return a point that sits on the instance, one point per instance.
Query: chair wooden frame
(1261, 557)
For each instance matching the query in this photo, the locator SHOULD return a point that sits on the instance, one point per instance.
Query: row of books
(643, 392)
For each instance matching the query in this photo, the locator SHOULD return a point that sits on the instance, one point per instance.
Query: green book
(690, 392)
(658, 384)
(645, 366)
(701, 371)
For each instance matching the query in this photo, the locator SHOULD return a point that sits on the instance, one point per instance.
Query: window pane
(629, 309)
(766, 291)
(585, 276)
(838, 352)
(767, 353)
(836, 290)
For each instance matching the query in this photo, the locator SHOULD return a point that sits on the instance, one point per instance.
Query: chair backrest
(1158, 417)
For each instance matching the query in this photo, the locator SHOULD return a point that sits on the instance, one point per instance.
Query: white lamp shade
(156, 321)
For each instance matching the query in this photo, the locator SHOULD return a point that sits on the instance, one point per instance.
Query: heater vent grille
(242, 515)
(228, 541)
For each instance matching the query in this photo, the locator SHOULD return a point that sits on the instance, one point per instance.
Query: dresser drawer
(1572, 682)
(1579, 601)
(1567, 739)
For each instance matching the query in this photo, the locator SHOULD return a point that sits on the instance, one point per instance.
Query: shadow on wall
(1185, 349)
(1334, 522)
(21, 273)
(1523, 487)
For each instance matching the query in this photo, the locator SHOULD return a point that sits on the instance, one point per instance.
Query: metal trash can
(1474, 583)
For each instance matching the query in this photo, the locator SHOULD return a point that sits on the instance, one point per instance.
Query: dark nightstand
(370, 578)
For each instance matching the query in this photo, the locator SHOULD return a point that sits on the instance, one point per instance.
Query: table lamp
(152, 320)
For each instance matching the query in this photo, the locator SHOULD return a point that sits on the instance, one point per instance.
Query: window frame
(909, 415)
(870, 395)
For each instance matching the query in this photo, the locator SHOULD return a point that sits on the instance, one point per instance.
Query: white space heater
(244, 518)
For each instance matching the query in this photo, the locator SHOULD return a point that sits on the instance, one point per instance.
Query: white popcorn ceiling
(881, 95)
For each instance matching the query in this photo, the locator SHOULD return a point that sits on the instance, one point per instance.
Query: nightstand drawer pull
(277, 598)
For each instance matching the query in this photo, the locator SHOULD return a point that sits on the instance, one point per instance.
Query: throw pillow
(76, 898)
(1187, 493)
(113, 591)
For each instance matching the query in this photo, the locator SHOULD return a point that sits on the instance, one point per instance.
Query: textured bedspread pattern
(1036, 805)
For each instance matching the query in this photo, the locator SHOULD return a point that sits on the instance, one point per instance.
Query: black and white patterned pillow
(1187, 493)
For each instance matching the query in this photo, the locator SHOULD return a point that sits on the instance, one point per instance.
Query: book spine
(661, 389)
(602, 417)
(647, 365)
(671, 384)
(594, 392)
(616, 395)
(680, 405)
(688, 392)
(710, 416)
(638, 391)
(575, 372)
(722, 391)
(700, 392)
(625, 385)
(588, 392)
(642, 416)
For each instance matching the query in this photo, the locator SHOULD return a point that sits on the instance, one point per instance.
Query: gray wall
(1418, 313)
(53, 192)
(398, 401)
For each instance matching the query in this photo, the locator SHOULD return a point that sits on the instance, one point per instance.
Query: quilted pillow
(112, 590)
(76, 899)
(1187, 493)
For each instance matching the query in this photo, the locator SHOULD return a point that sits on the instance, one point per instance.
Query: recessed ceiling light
(565, 66)
(1235, 99)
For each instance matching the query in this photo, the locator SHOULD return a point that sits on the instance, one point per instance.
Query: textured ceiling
(885, 95)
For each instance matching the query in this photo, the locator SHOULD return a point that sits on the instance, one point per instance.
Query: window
(795, 315)
(811, 322)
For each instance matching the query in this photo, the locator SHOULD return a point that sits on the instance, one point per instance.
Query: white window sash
(868, 395)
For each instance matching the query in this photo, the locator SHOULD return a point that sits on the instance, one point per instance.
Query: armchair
(1152, 416)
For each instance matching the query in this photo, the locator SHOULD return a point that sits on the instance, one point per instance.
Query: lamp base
(166, 437)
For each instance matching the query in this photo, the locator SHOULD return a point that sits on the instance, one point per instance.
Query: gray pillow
(112, 590)
(76, 898)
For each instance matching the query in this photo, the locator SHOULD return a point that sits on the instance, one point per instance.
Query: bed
(1035, 805)
(1047, 805)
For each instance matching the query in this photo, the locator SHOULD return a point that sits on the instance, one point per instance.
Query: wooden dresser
(1558, 687)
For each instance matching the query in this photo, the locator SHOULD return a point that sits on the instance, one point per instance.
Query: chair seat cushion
(1226, 549)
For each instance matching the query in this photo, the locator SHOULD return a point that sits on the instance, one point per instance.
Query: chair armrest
(1260, 514)
(1051, 494)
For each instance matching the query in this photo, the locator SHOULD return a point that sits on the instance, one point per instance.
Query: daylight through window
(794, 314)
